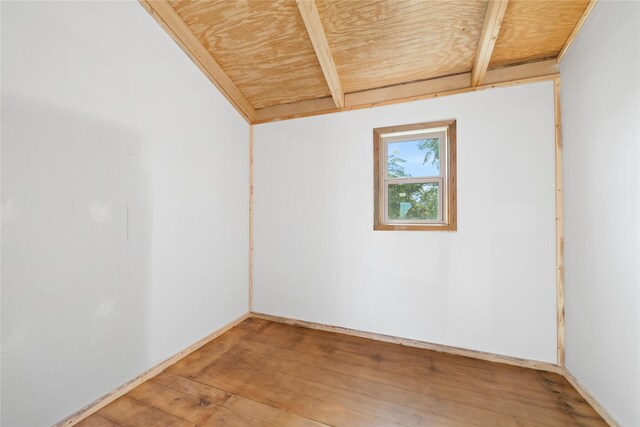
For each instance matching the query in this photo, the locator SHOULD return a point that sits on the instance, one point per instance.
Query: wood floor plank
(384, 353)
(207, 354)
(265, 387)
(478, 374)
(130, 413)
(264, 374)
(386, 402)
(540, 405)
(196, 410)
(572, 402)
(96, 420)
(405, 389)
(425, 368)
(258, 410)
(189, 408)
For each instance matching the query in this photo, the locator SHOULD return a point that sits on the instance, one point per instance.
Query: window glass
(415, 201)
(415, 158)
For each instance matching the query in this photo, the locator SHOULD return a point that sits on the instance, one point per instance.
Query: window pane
(414, 158)
(413, 201)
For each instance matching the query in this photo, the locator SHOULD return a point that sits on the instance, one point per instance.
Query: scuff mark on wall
(10, 211)
(105, 309)
(100, 212)
(16, 337)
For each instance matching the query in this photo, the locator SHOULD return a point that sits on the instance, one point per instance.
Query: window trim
(447, 210)
(442, 134)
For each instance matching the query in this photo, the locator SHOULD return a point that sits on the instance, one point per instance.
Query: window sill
(415, 227)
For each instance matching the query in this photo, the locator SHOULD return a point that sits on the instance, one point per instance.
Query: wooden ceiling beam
(432, 88)
(576, 29)
(488, 36)
(311, 18)
(173, 24)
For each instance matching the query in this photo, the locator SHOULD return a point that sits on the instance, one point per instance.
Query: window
(415, 177)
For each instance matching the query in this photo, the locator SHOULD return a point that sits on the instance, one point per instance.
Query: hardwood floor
(262, 373)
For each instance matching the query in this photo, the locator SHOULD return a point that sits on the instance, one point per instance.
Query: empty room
(349, 213)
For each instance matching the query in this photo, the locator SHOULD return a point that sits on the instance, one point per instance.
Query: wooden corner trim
(559, 224)
(103, 401)
(172, 23)
(251, 210)
(491, 357)
(597, 406)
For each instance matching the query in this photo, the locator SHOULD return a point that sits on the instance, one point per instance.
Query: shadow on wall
(75, 260)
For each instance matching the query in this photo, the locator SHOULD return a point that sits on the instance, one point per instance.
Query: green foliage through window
(416, 201)
(432, 145)
(395, 167)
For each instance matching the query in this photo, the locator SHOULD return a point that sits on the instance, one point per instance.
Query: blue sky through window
(414, 156)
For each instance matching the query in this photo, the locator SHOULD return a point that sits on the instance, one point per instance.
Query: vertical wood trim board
(589, 398)
(559, 223)
(576, 29)
(490, 357)
(103, 401)
(251, 130)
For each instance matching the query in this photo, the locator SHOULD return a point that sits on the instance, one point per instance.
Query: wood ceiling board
(576, 29)
(535, 29)
(378, 43)
(171, 22)
(263, 46)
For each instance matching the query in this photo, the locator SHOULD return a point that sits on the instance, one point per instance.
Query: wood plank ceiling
(279, 59)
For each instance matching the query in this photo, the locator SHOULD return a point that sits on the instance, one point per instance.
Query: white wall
(490, 286)
(601, 116)
(103, 114)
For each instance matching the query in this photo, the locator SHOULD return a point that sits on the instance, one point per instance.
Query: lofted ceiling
(278, 59)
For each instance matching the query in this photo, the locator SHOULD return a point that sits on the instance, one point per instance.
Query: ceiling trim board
(450, 85)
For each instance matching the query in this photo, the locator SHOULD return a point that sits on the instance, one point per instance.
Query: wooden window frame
(448, 185)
